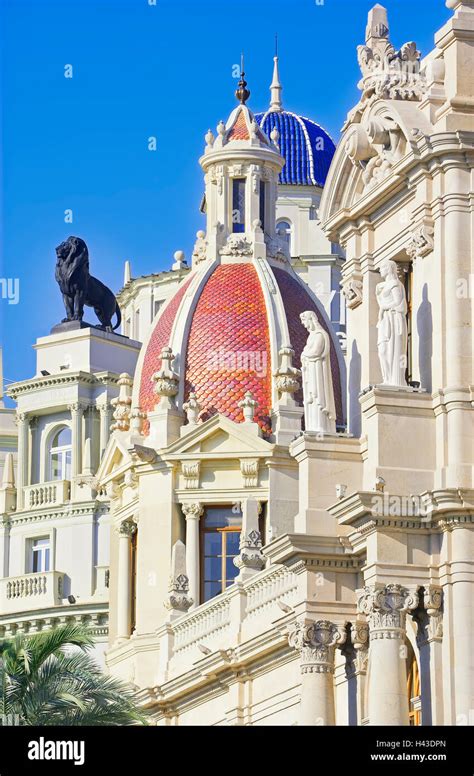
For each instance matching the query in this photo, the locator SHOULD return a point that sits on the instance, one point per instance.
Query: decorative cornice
(54, 381)
(69, 511)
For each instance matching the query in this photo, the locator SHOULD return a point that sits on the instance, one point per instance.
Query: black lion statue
(79, 288)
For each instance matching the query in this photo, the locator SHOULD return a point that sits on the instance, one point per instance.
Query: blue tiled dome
(306, 146)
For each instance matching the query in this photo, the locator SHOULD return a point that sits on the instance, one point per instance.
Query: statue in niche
(318, 392)
(392, 326)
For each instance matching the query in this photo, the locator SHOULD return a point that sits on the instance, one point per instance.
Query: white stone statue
(392, 326)
(318, 392)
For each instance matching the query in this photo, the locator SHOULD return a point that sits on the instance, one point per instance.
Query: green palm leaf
(50, 678)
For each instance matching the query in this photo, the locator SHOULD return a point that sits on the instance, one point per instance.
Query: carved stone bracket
(386, 608)
(249, 471)
(190, 471)
(429, 615)
(316, 642)
(352, 287)
(421, 241)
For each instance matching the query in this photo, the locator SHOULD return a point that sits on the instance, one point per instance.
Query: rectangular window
(157, 306)
(262, 204)
(40, 555)
(220, 539)
(238, 205)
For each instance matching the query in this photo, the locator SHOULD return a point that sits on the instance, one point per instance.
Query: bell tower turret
(241, 166)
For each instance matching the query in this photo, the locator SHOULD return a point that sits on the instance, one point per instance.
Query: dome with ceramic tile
(221, 337)
(306, 147)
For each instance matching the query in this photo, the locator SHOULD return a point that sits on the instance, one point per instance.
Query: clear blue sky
(143, 70)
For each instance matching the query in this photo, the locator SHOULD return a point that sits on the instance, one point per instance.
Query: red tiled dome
(159, 340)
(228, 351)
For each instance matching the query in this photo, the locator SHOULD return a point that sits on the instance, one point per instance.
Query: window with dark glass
(238, 205)
(262, 204)
(220, 537)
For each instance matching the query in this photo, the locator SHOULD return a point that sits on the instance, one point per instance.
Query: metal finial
(242, 93)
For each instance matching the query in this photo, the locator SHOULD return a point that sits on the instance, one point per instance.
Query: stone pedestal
(390, 416)
(86, 350)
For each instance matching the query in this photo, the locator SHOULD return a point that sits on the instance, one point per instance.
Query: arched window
(60, 455)
(284, 230)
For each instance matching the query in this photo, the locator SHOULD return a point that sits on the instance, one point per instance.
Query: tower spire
(242, 93)
(276, 105)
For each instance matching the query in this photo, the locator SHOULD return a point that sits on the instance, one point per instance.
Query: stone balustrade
(46, 494)
(208, 623)
(31, 591)
(244, 608)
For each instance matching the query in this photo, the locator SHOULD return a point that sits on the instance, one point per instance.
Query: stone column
(386, 608)
(76, 411)
(126, 530)
(461, 621)
(22, 421)
(429, 638)
(105, 423)
(316, 642)
(192, 512)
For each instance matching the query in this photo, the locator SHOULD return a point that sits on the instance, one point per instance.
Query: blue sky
(142, 70)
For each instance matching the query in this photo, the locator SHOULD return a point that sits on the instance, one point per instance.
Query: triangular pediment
(115, 458)
(219, 436)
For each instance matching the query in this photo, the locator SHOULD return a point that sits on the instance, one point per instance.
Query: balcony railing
(46, 494)
(31, 591)
(234, 615)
